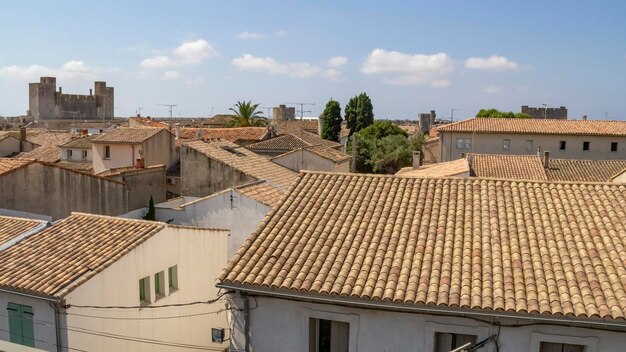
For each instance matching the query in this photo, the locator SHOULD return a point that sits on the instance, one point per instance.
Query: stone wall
(559, 113)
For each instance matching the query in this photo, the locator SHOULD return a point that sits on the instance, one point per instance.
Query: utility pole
(302, 108)
(452, 113)
(138, 111)
(268, 110)
(545, 111)
(171, 106)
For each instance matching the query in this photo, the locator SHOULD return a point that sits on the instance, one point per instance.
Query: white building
(100, 283)
(350, 262)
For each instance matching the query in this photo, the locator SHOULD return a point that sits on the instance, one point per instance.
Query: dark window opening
(585, 146)
(560, 347)
(613, 146)
(562, 145)
(445, 342)
(328, 335)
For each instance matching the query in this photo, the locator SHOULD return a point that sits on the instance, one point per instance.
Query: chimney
(585, 117)
(546, 159)
(61, 90)
(90, 91)
(417, 159)
(538, 151)
(23, 134)
(463, 155)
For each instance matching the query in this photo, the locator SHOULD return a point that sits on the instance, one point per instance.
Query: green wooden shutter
(21, 328)
(142, 290)
(170, 280)
(157, 284)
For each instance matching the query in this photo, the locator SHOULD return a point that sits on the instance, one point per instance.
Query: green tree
(382, 147)
(246, 115)
(359, 113)
(151, 214)
(331, 121)
(501, 114)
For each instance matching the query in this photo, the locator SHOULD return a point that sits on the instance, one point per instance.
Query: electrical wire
(42, 341)
(211, 301)
(150, 318)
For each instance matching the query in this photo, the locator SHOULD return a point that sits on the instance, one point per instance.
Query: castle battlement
(46, 103)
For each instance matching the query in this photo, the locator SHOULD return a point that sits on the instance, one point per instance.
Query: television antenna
(302, 108)
(171, 107)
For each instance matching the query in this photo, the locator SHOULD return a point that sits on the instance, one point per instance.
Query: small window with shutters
(560, 347)
(21, 330)
(446, 341)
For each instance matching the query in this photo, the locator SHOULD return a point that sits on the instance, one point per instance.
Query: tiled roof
(531, 167)
(5, 134)
(294, 126)
(245, 161)
(314, 139)
(229, 134)
(468, 244)
(538, 126)
(143, 121)
(127, 135)
(282, 142)
(329, 153)
(521, 167)
(445, 169)
(82, 167)
(11, 227)
(48, 149)
(262, 192)
(79, 143)
(55, 261)
(10, 164)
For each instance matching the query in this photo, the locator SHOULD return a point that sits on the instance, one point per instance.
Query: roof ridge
(111, 217)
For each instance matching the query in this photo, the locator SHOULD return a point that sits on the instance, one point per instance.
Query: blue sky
(409, 56)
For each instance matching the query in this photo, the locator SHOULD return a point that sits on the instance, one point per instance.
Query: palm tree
(246, 115)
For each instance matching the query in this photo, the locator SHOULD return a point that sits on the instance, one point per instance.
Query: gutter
(426, 310)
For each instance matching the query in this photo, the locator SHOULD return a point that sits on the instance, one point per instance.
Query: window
(445, 341)
(143, 290)
(613, 146)
(562, 145)
(172, 277)
(84, 154)
(463, 143)
(560, 347)
(328, 335)
(585, 146)
(68, 153)
(21, 329)
(107, 152)
(506, 144)
(159, 284)
(529, 145)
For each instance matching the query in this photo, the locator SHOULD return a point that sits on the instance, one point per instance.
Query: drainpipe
(57, 324)
(246, 326)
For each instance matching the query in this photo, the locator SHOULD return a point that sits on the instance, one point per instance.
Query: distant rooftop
(537, 126)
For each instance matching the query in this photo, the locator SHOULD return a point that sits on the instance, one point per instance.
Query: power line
(152, 318)
(211, 301)
(41, 341)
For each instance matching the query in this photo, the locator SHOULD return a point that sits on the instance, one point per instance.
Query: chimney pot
(90, 91)
(417, 159)
(60, 89)
(546, 159)
(585, 117)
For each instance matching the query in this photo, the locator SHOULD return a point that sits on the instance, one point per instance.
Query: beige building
(133, 146)
(77, 150)
(97, 283)
(564, 139)
(315, 158)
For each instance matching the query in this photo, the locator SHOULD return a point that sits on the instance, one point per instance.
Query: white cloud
(409, 69)
(250, 35)
(171, 75)
(493, 89)
(249, 62)
(337, 61)
(71, 70)
(491, 63)
(281, 33)
(188, 53)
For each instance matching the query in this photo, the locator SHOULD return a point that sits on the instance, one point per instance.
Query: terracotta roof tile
(144, 121)
(283, 142)
(295, 127)
(537, 126)
(9, 164)
(584, 170)
(82, 167)
(444, 169)
(245, 161)
(127, 135)
(262, 192)
(329, 153)
(60, 258)
(525, 167)
(79, 143)
(468, 244)
(11, 227)
(48, 149)
(229, 134)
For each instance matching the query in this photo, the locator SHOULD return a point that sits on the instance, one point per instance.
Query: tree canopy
(246, 115)
(331, 121)
(384, 148)
(501, 114)
(359, 113)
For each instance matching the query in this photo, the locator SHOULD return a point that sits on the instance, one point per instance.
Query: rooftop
(282, 142)
(48, 149)
(9, 164)
(444, 169)
(11, 227)
(524, 248)
(229, 134)
(83, 142)
(245, 161)
(55, 261)
(262, 192)
(127, 135)
(537, 126)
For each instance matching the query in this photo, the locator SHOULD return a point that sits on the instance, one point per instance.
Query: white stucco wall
(216, 211)
(77, 155)
(121, 155)
(280, 325)
(199, 255)
(43, 320)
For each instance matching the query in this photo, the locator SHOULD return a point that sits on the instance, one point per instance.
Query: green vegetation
(246, 115)
(151, 214)
(384, 148)
(331, 121)
(359, 113)
(501, 114)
